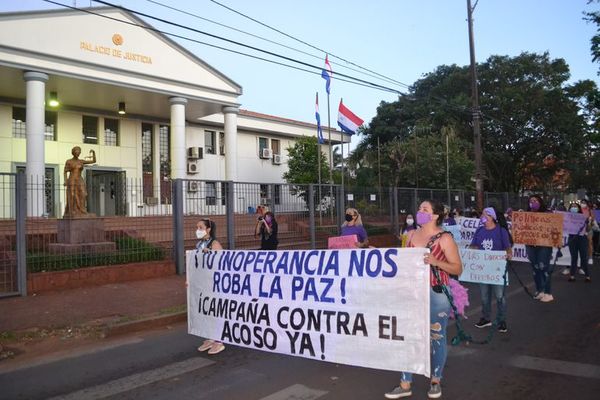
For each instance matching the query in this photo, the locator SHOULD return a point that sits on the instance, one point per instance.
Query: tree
(529, 113)
(594, 17)
(303, 165)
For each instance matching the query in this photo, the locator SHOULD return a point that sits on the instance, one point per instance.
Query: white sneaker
(580, 272)
(566, 271)
(539, 295)
(547, 298)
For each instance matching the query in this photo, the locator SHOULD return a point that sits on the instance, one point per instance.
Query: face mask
(410, 221)
(483, 220)
(574, 210)
(534, 206)
(200, 233)
(423, 218)
(348, 217)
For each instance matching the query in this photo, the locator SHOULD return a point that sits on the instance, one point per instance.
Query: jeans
(540, 256)
(578, 246)
(486, 301)
(439, 311)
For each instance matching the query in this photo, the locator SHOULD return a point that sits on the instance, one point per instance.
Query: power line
(388, 80)
(243, 45)
(305, 43)
(351, 80)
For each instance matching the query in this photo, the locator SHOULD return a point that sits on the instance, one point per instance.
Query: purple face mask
(268, 218)
(423, 218)
(534, 206)
(483, 220)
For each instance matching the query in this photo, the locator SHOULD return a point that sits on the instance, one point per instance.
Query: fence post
(178, 227)
(340, 208)
(311, 216)
(415, 203)
(21, 214)
(230, 210)
(396, 221)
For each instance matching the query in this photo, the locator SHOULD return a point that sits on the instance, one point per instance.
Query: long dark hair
(501, 221)
(213, 227)
(438, 209)
(540, 200)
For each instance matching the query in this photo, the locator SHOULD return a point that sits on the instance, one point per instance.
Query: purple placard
(597, 215)
(573, 223)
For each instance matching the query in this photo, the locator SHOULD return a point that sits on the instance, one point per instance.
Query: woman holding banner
(354, 226)
(492, 235)
(444, 261)
(539, 257)
(206, 232)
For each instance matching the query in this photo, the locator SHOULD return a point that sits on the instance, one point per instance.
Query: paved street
(550, 352)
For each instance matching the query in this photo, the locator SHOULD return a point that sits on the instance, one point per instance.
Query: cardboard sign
(483, 266)
(363, 307)
(537, 228)
(342, 242)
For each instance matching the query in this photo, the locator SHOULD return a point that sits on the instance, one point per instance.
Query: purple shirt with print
(491, 239)
(357, 230)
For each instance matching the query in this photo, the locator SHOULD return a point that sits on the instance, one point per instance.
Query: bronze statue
(76, 193)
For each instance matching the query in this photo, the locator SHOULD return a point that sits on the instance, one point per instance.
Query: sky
(399, 39)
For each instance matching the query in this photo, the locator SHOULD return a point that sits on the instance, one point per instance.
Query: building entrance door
(106, 192)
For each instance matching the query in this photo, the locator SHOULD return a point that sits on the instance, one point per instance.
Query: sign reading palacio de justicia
(110, 51)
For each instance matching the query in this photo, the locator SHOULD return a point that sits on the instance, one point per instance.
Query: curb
(144, 324)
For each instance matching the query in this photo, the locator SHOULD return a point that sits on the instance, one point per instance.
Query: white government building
(149, 108)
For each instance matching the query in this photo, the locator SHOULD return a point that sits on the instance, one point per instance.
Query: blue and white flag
(327, 74)
(318, 117)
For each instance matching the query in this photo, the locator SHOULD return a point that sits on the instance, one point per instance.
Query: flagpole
(319, 162)
(342, 141)
(330, 156)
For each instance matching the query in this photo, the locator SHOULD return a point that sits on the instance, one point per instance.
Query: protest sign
(342, 242)
(468, 226)
(455, 231)
(483, 266)
(364, 307)
(597, 215)
(573, 223)
(537, 228)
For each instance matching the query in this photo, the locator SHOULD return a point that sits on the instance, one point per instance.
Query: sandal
(207, 344)
(217, 347)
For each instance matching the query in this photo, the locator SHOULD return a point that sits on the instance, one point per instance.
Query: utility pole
(475, 111)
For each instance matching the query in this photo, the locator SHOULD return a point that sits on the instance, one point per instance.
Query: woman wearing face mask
(444, 257)
(354, 226)
(492, 235)
(206, 232)
(578, 246)
(267, 228)
(539, 257)
(408, 225)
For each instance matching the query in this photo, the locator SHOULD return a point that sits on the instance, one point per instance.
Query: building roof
(254, 114)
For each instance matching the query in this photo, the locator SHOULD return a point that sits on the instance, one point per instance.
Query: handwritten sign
(573, 223)
(483, 266)
(537, 228)
(364, 307)
(342, 242)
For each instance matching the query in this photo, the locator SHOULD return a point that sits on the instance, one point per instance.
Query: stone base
(82, 248)
(80, 230)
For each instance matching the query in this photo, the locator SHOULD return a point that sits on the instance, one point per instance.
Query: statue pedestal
(81, 235)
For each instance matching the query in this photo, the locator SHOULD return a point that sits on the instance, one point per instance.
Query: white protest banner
(364, 307)
(483, 266)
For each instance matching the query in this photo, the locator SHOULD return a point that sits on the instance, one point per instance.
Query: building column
(35, 83)
(178, 150)
(231, 142)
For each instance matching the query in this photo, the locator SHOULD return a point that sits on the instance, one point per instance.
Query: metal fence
(132, 221)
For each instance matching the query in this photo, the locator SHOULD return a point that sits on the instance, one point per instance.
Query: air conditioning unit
(195, 153)
(266, 153)
(193, 167)
(151, 201)
(193, 186)
(277, 159)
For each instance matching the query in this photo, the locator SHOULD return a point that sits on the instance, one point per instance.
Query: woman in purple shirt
(354, 226)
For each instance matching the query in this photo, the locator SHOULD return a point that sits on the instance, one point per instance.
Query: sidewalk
(102, 307)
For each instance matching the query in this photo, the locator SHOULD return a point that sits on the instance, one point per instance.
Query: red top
(438, 253)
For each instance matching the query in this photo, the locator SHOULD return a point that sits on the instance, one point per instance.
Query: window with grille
(164, 137)
(50, 129)
(19, 128)
(111, 132)
(222, 143)
(211, 193)
(89, 129)
(147, 175)
(209, 142)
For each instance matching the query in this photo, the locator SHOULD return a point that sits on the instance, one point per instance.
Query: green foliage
(529, 114)
(303, 165)
(129, 250)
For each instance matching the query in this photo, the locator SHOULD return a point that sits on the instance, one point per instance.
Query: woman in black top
(267, 229)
